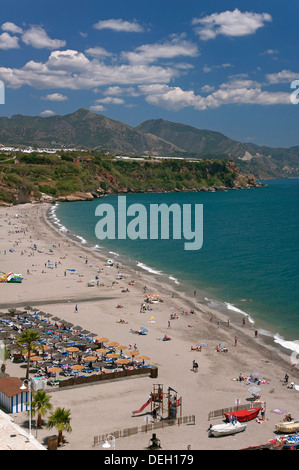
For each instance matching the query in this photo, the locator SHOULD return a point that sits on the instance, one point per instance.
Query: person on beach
(236, 340)
(76, 308)
(286, 379)
(263, 411)
(243, 322)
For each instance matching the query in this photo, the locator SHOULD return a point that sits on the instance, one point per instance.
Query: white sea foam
(291, 345)
(83, 241)
(96, 248)
(174, 279)
(112, 253)
(238, 310)
(147, 268)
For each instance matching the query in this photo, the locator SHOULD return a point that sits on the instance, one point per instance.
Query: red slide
(143, 406)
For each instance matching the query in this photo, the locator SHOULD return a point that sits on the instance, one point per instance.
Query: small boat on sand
(288, 426)
(226, 429)
(244, 415)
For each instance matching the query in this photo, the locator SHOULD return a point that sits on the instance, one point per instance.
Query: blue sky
(220, 65)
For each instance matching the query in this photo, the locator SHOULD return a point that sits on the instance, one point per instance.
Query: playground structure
(11, 278)
(162, 402)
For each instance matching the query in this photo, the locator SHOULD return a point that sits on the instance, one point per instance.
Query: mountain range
(91, 131)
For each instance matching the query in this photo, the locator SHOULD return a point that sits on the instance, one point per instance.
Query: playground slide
(143, 406)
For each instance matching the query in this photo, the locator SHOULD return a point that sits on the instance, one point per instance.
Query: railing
(220, 413)
(73, 381)
(127, 432)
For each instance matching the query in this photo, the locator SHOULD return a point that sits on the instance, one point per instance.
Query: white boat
(226, 429)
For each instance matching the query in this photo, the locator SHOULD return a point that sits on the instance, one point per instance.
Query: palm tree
(28, 338)
(60, 418)
(40, 405)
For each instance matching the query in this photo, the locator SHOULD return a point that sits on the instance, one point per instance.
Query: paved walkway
(12, 437)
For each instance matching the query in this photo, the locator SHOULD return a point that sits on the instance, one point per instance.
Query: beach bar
(12, 398)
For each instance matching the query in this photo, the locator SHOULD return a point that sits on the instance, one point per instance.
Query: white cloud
(68, 61)
(97, 108)
(73, 70)
(285, 76)
(270, 52)
(110, 100)
(119, 25)
(98, 52)
(229, 23)
(47, 112)
(149, 53)
(210, 68)
(8, 42)
(37, 37)
(233, 92)
(11, 28)
(119, 91)
(54, 97)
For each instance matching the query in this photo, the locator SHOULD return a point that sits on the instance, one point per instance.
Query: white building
(11, 397)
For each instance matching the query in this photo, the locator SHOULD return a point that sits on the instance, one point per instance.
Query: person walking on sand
(76, 308)
(236, 340)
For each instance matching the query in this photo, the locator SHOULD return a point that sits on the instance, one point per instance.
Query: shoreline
(284, 347)
(105, 408)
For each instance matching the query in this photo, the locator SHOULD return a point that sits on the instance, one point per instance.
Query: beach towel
(278, 411)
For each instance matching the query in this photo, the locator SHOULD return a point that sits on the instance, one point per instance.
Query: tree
(60, 419)
(40, 405)
(28, 338)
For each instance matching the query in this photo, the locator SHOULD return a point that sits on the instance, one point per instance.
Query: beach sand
(107, 407)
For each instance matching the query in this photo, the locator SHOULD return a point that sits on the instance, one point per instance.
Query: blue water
(250, 249)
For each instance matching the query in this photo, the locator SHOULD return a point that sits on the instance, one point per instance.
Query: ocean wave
(83, 241)
(291, 345)
(96, 248)
(147, 268)
(238, 310)
(112, 253)
(174, 279)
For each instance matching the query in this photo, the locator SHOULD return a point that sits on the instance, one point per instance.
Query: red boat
(244, 415)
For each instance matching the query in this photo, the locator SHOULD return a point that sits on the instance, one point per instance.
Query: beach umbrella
(102, 350)
(102, 340)
(72, 349)
(43, 347)
(77, 367)
(112, 356)
(122, 361)
(54, 369)
(112, 343)
(142, 357)
(121, 347)
(254, 390)
(132, 353)
(255, 374)
(36, 358)
(90, 358)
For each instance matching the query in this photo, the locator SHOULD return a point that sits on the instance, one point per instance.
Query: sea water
(248, 264)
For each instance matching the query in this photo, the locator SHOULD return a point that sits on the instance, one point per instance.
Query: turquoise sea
(249, 260)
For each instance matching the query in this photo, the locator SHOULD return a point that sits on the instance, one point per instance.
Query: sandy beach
(56, 277)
